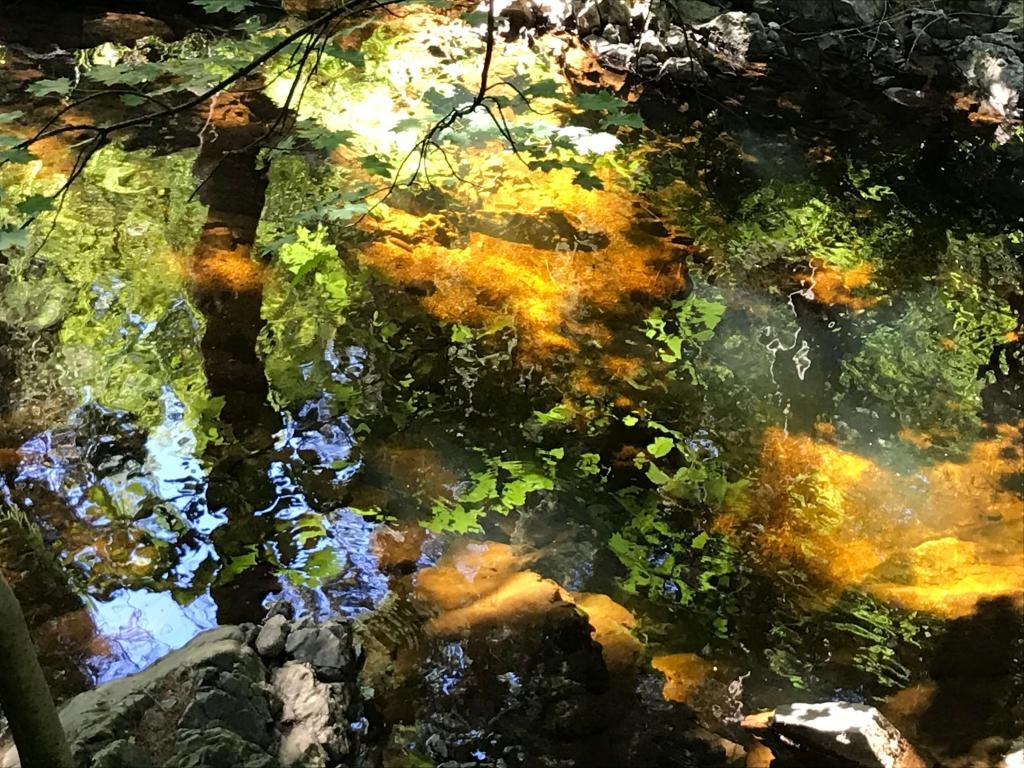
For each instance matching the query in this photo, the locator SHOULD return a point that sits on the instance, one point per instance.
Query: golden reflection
(939, 539)
(545, 287)
(230, 269)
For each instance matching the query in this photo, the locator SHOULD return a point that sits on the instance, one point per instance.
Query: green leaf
(656, 476)
(376, 165)
(660, 447)
(596, 101)
(228, 6)
(699, 540)
(587, 180)
(543, 89)
(60, 86)
(10, 117)
(35, 204)
(626, 119)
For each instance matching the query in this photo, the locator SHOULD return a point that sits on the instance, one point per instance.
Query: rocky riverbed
(296, 693)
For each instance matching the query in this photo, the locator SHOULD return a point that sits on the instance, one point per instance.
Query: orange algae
(684, 674)
(939, 540)
(485, 583)
(545, 291)
(831, 285)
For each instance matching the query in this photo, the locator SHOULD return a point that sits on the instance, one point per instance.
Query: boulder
(616, 56)
(210, 692)
(833, 734)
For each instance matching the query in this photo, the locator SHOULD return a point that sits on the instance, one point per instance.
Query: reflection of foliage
(666, 562)
(682, 331)
(882, 642)
(923, 363)
(502, 486)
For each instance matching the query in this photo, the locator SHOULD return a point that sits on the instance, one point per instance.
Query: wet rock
(313, 720)
(211, 684)
(281, 608)
(993, 70)
(833, 735)
(614, 33)
(683, 69)
(236, 705)
(326, 648)
(272, 635)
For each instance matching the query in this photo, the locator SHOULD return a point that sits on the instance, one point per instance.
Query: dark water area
(754, 406)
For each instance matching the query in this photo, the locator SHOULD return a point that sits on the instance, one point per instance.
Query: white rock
(993, 69)
(857, 733)
(306, 713)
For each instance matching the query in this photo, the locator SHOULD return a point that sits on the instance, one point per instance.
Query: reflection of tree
(226, 286)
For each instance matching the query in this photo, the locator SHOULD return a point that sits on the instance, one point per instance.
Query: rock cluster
(280, 695)
(953, 45)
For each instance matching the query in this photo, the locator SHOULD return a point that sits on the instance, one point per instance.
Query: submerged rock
(833, 735)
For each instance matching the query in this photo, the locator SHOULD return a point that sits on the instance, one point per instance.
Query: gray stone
(734, 37)
(678, 42)
(153, 700)
(122, 754)
(312, 717)
(242, 711)
(272, 635)
(218, 748)
(615, 34)
(323, 650)
(280, 608)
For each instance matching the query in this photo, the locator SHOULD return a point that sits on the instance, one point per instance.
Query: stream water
(753, 401)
